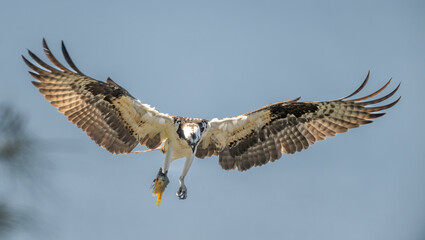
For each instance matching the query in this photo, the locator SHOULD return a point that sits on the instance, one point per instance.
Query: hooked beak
(193, 146)
(193, 141)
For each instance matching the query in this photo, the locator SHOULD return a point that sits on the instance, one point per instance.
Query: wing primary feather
(41, 62)
(358, 89)
(376, 109)
(375, 115)
(380, 99)
(69, 60)
(372, 94)
(52, 58)
(35, 68)
(292, 100)
(34, 75)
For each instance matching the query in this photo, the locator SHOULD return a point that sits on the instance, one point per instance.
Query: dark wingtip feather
(34, 75)
(382, 98)
(375, 115)
(372, 94)
(292, 100)
(39, 61)
(52, 58)
(296, 99)
(30, 53)
(45, 45)
(69, 60)
(358, 89)
(33, 67)
(28, 63)
(36, 84)
(376, 109)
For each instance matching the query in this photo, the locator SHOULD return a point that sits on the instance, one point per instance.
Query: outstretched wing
(104, 110)
(261, 136)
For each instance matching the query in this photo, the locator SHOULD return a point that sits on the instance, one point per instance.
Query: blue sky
(219, 59)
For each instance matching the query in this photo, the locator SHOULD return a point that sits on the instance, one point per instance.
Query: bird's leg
(161, 181)
(182, 192)
(167, 160)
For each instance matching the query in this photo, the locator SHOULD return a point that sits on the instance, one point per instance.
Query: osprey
(118, 122)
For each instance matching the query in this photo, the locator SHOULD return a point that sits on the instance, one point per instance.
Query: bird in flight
(118, 122)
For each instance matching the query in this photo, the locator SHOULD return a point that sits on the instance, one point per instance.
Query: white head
(191, 130)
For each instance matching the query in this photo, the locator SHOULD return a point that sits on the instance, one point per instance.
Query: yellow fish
(159, 184)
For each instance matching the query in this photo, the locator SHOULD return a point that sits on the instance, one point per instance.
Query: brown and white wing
(104, 110)
(261, 136)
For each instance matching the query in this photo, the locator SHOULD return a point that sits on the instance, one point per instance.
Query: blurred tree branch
(6, 219)
(17, 155)
(14, 142)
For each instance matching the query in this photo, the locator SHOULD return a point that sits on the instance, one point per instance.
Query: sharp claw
(182, 193)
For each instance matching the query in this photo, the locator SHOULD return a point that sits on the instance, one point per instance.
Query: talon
(182, 192)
